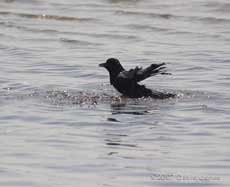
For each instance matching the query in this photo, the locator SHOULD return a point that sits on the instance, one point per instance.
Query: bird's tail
(162, 95)
(142, 91)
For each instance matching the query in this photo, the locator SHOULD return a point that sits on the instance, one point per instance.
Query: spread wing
(139, 74)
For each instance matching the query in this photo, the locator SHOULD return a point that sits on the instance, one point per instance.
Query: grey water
(63, 124)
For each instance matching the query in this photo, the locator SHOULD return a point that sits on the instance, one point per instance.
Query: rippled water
(62, 124)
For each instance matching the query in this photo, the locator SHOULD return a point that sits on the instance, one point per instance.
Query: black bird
(126, 82)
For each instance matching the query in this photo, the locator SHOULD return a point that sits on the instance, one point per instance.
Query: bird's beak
(102, 65)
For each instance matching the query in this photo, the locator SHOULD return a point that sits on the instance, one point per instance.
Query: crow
(126, 82)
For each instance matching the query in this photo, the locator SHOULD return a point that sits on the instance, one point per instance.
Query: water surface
(62, 124)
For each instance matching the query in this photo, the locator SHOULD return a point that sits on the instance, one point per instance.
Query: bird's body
(126, 82)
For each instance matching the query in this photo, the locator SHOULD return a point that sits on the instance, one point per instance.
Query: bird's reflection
(118, 141)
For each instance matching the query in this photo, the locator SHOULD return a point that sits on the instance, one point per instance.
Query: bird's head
(112, 65)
